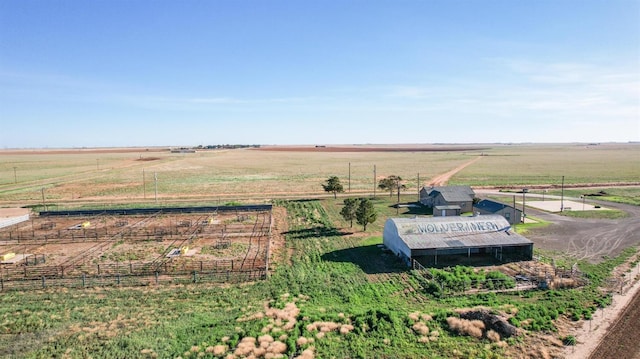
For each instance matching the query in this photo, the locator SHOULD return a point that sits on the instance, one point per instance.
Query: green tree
(391, 184)
(348, 212)
(333, 185)
(365, 213)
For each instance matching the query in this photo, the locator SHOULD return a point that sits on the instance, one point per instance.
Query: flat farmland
(261, 174)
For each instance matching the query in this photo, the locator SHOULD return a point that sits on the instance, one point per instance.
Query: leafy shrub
(569, 340)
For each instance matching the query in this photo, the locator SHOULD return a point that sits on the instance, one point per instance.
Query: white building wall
(391, 239)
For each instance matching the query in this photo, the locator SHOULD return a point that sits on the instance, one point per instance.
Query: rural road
(588, 239)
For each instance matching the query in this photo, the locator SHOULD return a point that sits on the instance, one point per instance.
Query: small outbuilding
(448, 196)
(446, 211)
(432, 240)
(487, 206)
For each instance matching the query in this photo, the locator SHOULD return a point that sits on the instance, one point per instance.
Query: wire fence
(132, 280)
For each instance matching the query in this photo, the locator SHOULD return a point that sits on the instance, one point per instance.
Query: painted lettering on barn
(466, 227)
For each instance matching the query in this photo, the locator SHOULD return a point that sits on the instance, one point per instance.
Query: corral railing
(130, 280)
(132, 268)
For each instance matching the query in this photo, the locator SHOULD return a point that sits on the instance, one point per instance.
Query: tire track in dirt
(442, 179)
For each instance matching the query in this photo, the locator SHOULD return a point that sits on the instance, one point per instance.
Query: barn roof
(491, 206)
(455, 232)
(452, 193)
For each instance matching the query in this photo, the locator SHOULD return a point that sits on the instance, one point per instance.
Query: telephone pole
(144, 185)
(155, 180)
(349, 177)
(374, 181)
(562, 196)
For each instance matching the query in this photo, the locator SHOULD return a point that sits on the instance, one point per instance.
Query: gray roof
(452, 193)
(491, 206)
(455, 232)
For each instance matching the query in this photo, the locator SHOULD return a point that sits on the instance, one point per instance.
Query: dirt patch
(13, 212)
(106, 242)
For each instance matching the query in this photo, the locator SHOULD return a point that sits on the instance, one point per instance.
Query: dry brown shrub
(423, 339)
(265, 338)
(283, 337)
(478, 324)
(465, 327)
(414, 316)
(248, 340)
(277, 347)
(259, 352)
(328, 326)
(230, 356)
(218, 350)
(302, 341)
(425, 317)
(306, 354)
(493, 336)
(346, 328)
(225, 339)
(320, 335)
(558, 283)
(195, 349)
(421, 328)
(290, 324)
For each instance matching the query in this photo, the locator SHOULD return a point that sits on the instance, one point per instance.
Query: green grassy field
(363, 297)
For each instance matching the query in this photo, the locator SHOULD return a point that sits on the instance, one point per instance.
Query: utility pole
(562, 195)
(418, 186)
(349, 177)
(15, 176)
(44, 204)
(398, 202)
(144, 186)
(155, 179)
(374, 181)
(514, 208)
(524, 216)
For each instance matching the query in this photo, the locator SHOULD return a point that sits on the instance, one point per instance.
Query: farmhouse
(448, 196)
(487, 206)
(430, 240)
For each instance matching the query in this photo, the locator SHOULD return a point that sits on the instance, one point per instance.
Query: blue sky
(144, 73)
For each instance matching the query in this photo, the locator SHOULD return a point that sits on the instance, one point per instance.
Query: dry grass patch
(472, 328)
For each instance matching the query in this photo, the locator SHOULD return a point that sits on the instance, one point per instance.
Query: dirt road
(441, 180)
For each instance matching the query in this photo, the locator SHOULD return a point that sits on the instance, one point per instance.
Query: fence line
(130, 280)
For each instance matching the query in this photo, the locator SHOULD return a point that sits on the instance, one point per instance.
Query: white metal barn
(430, 239)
